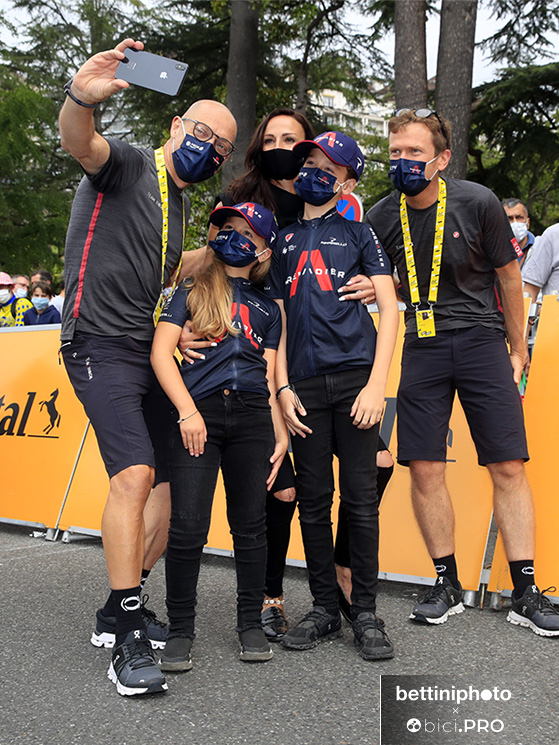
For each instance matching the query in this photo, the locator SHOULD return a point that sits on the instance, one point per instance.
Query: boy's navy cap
(261, 220)
(340, 148)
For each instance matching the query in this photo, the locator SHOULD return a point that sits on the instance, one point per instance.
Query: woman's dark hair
(254, 185)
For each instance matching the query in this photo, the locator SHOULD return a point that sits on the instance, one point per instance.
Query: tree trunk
(241, 80)
(410, 64)
(453, 94)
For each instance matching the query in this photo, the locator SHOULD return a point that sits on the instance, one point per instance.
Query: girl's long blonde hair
(210, 298)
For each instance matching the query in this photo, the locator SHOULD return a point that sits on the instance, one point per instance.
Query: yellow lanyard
(425, 318)
(164, 197)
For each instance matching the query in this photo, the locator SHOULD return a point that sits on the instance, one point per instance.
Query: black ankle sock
(109, 607)
(522, 574)
(127, 612)
(446, 567)
(145, 575)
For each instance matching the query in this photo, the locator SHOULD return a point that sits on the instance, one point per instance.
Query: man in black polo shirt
(450, 240)
(125, 238)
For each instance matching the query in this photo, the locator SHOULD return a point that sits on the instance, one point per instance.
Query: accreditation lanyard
(164, 199)
(425, 318)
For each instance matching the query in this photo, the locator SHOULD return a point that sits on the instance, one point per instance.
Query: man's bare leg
(123, 526)
(435, 516)
(432, 506)
(157, 514)
(514, 508)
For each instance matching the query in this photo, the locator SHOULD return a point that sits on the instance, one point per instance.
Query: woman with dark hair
(271, 169)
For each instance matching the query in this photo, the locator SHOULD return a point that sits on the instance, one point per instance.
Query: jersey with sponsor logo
(477, 239)
(112, 266)
(237, 362)
(314, 258)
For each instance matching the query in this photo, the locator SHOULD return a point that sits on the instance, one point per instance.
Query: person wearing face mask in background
(271, 169)
(42, 313)
(21, 285)
(228, 418)
(450, 240)
(129, 215)
(12, 308)
(517, 212)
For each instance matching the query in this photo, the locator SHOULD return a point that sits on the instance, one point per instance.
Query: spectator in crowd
(134, 196)
(58, 300)
(449, 241)
(517, 212)
(541, 271)
(12, 308)
(42, 275)
(21, 285)
(41, 314)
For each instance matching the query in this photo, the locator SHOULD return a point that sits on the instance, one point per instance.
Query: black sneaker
(255, 647)
(370, 637)
(104, 634)
(133, 669)
(176, 655)
(439, 602)
(317, 626)
(535, 612)
(274, 623)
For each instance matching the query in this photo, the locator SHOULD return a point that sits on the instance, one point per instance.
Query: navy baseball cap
(261, 220)
(340, 148)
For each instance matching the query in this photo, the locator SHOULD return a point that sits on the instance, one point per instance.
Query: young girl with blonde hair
(227, 417)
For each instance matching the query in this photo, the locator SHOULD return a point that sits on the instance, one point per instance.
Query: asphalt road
(54, 687)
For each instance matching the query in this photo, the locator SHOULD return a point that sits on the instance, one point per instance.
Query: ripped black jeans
(240, 441)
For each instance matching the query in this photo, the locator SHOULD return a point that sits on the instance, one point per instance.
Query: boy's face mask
(316, 186)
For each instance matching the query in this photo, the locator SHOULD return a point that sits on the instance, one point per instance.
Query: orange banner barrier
(41, 426)
(51, 461)
(541, 412)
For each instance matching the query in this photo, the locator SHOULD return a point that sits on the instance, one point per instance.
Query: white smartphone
(152, 71)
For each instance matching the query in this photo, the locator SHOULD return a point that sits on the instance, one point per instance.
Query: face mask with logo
(316, 186)
(196, 161)
(20, 292)
(520, 230)
(408, 176)
(234, 249)
(40, 303)
(280, 164)
(5, 297)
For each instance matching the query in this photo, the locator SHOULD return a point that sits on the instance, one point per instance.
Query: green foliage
(515, 140)
(33, 202)
(524, 35)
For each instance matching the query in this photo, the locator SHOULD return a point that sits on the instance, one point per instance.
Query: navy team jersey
(314, 258)
(237, 362)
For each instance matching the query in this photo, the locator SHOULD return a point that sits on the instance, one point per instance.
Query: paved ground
(54, 687)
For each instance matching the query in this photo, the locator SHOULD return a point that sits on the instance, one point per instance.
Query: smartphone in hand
(152, 71)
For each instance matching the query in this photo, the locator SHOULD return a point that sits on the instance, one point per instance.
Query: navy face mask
(196, 161)
(316, 186)
(408, 176)
(234, 249)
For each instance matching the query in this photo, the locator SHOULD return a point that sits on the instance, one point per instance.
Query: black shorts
(475, 363)
(130, 413)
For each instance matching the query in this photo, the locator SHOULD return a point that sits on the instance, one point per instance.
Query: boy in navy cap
(331, 375)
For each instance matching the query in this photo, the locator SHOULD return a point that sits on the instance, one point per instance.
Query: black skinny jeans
(328, 400)
(241, 441)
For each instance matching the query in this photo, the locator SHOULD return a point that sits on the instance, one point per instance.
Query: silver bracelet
(187, 417)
